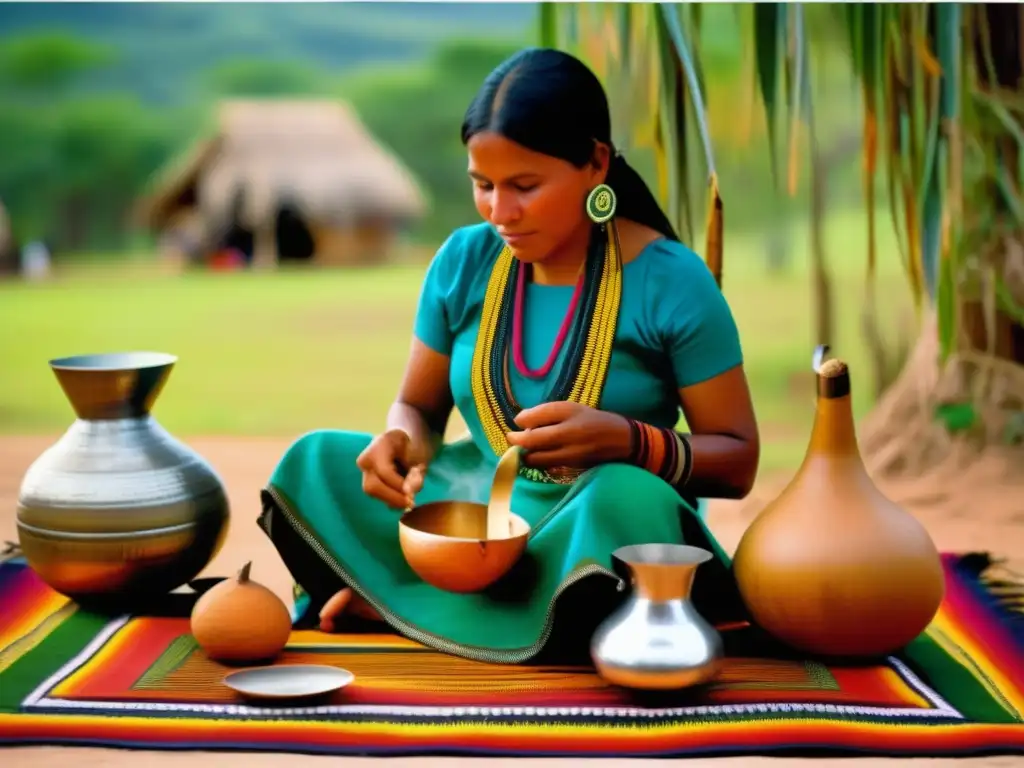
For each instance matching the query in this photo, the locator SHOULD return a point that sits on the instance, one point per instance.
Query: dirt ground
(990, 518)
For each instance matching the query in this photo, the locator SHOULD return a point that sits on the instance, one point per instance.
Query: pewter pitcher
(656, 640)
(118, 509)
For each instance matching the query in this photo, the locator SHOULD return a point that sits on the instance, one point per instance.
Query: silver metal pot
(656, 640)
(118, 509)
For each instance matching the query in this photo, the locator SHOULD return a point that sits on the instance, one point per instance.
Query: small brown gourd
(832, 566)
(240, 620)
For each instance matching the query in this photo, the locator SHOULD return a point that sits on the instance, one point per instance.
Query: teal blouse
(675, 327)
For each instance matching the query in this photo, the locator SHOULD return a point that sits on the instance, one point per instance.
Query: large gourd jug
(832, 566)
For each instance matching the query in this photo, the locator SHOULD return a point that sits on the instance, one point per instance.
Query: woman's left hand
(567, 434)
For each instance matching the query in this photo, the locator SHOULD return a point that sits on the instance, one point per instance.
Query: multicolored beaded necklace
(588, 329)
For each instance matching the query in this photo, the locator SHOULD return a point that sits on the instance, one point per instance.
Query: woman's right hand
(385, 476)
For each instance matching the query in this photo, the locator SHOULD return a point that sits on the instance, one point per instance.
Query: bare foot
(345, 600)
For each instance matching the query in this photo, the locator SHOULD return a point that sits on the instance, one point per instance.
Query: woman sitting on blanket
(571, 238)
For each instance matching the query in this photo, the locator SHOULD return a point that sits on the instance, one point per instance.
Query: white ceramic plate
(288, 681)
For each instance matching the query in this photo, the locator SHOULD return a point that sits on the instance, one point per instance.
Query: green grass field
(278, 354)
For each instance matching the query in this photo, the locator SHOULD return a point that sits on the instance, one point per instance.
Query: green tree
(106, 147)
(71, 162)
(75, 166)
(48, 63)
(416, 110)
(261, 78)
(29, 168)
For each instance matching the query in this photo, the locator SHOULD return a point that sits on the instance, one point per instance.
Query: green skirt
(330, 534)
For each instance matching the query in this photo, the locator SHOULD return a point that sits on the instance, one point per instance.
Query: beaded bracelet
(661, 451)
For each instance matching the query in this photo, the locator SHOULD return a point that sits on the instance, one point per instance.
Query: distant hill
(164, 49)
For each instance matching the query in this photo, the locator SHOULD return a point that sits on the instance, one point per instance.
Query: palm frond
(770, 50)
(926, 119)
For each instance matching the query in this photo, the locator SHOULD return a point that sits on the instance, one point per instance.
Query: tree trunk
(74, 224)
(1005, 340)
(998, 50)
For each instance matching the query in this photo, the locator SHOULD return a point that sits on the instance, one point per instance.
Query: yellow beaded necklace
(598, 320)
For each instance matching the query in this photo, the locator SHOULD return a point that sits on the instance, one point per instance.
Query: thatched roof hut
(307, 163)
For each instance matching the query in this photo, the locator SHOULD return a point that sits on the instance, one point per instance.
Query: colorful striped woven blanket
(71, 677)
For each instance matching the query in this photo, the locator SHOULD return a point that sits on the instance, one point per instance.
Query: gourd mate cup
(460, 546)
